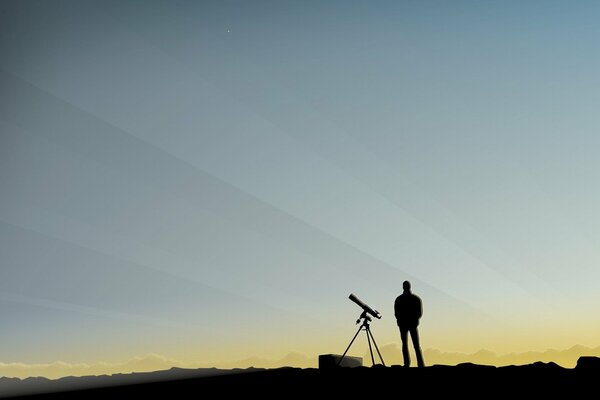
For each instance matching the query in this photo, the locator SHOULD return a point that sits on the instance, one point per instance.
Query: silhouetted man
(408, 309)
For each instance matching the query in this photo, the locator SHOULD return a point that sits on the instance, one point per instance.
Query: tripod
(367, 328)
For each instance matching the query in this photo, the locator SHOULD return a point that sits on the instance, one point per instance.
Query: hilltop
(465, 380)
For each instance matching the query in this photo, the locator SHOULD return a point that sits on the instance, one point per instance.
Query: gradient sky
(210, 180)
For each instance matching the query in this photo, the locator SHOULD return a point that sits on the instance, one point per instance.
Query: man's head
(406, 286)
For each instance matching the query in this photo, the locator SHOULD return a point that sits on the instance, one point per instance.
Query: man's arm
(397, 308)
(420, 307)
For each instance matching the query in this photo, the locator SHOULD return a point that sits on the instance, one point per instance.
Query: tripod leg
(348, 348)
(376, 347)
(370, 348)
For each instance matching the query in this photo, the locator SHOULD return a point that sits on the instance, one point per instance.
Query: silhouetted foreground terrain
(465, 380)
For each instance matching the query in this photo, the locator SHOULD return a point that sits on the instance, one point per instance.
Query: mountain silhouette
(391, 353)
(467, 380)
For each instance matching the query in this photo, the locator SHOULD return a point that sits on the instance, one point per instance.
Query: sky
(209, 181)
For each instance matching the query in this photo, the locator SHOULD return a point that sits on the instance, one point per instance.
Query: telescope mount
(365, 325)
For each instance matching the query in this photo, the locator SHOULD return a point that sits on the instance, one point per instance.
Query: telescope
(365, 307)
(366, 320)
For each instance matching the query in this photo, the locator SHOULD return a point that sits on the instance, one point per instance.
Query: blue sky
(210, 180)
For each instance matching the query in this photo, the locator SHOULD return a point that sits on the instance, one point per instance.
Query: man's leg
(405, 354)
(414, 334)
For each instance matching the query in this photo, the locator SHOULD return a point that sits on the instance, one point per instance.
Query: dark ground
(464, 381)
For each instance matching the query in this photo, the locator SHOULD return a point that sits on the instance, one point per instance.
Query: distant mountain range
(391, 353)
(566, 358)
(466, 380)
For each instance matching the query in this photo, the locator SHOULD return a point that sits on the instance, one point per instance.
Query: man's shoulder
(401, 299)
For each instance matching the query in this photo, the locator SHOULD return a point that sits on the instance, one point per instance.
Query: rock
(327, 361)
(588, 363)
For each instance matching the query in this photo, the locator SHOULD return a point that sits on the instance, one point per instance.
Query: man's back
(408, 309)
